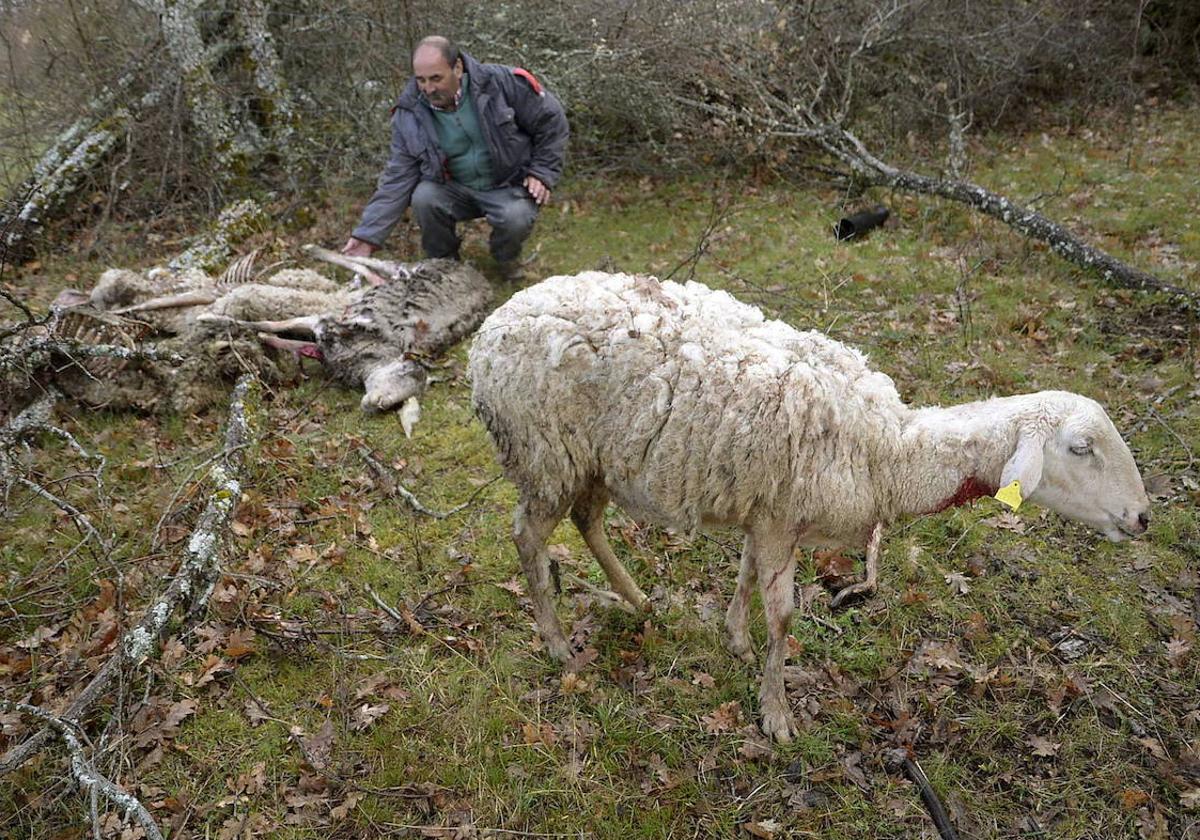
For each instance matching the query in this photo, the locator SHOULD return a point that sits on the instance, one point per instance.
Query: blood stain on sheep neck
(970, 489)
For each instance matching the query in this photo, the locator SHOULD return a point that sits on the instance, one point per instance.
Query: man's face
(436, 79)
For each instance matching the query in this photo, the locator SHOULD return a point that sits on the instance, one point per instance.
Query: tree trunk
(277, 114)
(192, 60)
(73, 156)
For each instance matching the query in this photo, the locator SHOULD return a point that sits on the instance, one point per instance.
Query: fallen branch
(799, 123)
(1025, 221)
(85, 772)
(192, 583)
(32, 353)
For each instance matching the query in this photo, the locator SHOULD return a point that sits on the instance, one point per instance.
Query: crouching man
(468, 140)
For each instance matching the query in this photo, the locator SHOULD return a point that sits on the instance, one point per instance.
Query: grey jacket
(525, 129)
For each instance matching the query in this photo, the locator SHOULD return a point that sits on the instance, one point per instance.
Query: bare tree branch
(85, 773)
(191, 585)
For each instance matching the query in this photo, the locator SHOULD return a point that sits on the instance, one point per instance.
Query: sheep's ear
(1025, 465)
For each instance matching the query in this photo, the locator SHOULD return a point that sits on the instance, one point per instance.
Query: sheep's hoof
(862, 588)
(557, 648)
(778, 722)
(741, 648)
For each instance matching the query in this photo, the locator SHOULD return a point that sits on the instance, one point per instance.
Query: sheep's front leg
(737, 617)
(870, 584)
(531, 529)
(772, 554)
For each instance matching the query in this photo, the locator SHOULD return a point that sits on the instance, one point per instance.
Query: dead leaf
(318, 748)
(1006, 520)
(211, 637)
(1190, 799)
(255, 781)
(766, 829)
(755, 746)
(958, 583)
(366, 714)
(1153, 746)
(725, 718)
(351, 801)
(212, 666)
(581, 660)
(571, 683)
(661, 773)
(1043, 747)
(241, 643)
(255, 713)
(703, 680)
(173, 652)
(833, 565)
(852, 767)
(535, 734)
(1131, 798)
(1177, 650)
(514, 586)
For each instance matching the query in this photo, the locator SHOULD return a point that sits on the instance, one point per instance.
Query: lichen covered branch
(84, 772)
(192, 582)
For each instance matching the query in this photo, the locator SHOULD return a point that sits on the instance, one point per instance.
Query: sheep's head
(390, 384)
(1072, 460)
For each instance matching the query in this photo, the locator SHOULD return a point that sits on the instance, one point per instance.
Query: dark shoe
(511, 271)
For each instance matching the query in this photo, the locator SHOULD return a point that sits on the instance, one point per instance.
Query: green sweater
(462, 142)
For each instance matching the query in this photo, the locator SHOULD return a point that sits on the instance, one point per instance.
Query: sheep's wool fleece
(690, 406)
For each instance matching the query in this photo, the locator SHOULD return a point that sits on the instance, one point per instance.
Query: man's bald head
(448, 49)
(438, 69)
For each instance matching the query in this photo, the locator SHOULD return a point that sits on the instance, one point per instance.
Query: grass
(1051, 699)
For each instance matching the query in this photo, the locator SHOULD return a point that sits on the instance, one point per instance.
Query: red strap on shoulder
(529, 77)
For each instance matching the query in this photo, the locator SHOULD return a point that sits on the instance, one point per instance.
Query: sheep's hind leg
(588, 516)
(531, 528)
(772, 555)
(870, 584)
(737, 617)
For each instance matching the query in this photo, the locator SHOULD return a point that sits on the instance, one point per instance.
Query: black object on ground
(860, 223)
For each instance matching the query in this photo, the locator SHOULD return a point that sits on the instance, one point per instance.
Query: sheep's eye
(1081, 449)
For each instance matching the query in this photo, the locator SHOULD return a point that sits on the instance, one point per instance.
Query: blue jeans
(439, 208)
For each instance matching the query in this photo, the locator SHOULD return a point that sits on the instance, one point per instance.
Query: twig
(179, 492)
(24, 354)
(1153, 412)
(384, 605)
(75, 513)
(610, 598)
(85, 773)
(393, 487)
(829, 135)
(718, 211)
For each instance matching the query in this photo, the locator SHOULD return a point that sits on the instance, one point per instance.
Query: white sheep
(688, 408)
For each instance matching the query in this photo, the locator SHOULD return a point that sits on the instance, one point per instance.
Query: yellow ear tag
(1011, 495)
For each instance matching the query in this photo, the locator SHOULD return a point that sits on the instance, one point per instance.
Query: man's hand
(358, 248)
(539, 191)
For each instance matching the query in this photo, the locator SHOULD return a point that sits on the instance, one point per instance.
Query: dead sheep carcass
(376, 336)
